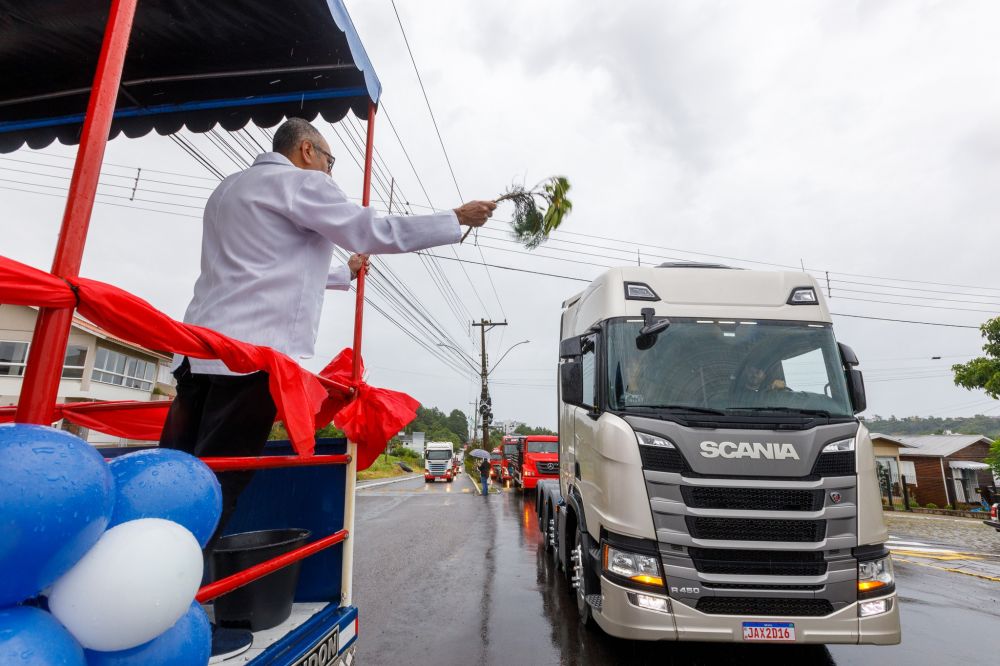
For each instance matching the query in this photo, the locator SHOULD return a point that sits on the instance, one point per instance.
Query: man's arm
(320, 205)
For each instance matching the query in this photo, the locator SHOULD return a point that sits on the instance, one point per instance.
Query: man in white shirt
(268, 239)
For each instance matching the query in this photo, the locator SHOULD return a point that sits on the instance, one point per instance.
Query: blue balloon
(168, 484)
(56, 496)
(31, 636)
(187, 643)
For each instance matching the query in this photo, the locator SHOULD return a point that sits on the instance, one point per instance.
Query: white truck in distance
(439, 462)
(715, 483)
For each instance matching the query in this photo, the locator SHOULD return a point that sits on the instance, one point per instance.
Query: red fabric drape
(119, 418)
(303, 399)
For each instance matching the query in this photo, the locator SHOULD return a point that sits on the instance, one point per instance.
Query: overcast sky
(859, 138)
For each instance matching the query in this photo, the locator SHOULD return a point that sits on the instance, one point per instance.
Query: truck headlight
(839, 446)
(634, 566)
(875, 578)
(647, 439)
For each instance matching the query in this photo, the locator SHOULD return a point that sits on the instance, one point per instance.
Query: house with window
(948, 469)
(97, 366)
(890, 466)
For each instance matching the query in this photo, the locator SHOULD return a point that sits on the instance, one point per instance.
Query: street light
(522, 342)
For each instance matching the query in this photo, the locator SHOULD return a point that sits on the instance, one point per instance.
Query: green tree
(458, 423)
(983, 372)
(528, 430)
(993, 457)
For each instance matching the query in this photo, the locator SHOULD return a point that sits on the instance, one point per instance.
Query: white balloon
(134, 584)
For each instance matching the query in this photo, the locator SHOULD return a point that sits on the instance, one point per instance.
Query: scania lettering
(715, 483)
(748, 450)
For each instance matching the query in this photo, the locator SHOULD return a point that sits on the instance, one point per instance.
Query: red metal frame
(44, 368)
(366, 188)
(272, 462)
(48, 344)
(241, 578)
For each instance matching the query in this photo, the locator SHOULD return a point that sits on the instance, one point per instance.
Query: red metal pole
(241, 578)
(359, 306)
(273, 462)
(48, 345)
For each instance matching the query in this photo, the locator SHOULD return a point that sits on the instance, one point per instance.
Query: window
(111, 367)
(76, 358)
(12, 358)
(589, 368)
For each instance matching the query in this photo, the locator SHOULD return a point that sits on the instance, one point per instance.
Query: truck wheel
(428, 480)
(578, 571)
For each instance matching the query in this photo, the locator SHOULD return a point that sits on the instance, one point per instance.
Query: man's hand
(475, 213)
(356, 262)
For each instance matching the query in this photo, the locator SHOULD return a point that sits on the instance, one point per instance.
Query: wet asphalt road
(443, 576)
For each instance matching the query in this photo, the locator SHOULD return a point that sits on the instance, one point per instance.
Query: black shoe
(229, 643)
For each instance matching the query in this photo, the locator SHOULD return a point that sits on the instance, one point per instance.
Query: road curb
(479, 490)
(380, 482)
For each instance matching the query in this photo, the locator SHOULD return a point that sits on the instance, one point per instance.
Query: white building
(97, 366)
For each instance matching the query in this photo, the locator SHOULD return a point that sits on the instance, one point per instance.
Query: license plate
(323, 652)
(769, 632)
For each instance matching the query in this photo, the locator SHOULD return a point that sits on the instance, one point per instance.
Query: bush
(930, 505)
(914, 504)
(949, 507)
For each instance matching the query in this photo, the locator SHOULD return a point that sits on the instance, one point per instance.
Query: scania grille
(752, 499)
(751, 529)
(662, 459)
(751, 586)
(749, 606)
(757, 562)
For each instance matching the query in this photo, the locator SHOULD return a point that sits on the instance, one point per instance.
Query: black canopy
(193, 63)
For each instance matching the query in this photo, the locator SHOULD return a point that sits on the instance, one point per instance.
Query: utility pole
(485, 403)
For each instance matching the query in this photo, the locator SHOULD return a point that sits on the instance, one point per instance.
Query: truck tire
(578, 566)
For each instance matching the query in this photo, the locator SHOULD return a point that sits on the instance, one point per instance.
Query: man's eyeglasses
(330, 159)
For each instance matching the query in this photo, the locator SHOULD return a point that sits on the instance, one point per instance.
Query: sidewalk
(960, 534)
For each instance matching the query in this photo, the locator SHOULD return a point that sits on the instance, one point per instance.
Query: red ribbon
(371, 416)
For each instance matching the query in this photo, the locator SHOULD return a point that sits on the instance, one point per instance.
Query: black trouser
(220, 415)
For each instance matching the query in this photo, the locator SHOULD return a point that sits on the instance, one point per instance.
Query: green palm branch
(538, 211)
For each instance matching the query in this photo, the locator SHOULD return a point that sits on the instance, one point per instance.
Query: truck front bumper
(619, 617)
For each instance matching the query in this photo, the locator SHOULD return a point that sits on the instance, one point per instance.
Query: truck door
(575, 423)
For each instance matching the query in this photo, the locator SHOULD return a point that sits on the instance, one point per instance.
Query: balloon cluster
(100, 562)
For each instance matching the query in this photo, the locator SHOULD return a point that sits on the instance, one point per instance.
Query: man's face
(316, 155)
(755, 376)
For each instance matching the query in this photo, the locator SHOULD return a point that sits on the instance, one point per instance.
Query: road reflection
(577, 644)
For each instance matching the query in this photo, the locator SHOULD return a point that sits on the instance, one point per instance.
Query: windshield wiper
(786, 410)
(677, 408)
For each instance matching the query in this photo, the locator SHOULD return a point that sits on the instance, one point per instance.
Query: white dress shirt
(267, 242)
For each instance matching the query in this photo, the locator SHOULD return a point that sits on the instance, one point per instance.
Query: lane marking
(994, 579)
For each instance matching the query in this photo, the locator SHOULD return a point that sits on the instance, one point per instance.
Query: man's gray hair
(292, 133)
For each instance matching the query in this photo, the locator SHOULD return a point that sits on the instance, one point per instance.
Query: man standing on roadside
(484, 474)
(268, 238)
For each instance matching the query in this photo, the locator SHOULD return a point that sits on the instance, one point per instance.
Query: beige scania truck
(715, 483)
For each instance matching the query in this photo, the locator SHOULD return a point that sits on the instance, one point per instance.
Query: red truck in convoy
(498, 466)
(538, 459)
(510, 449)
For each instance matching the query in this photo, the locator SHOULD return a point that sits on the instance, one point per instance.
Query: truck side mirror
(856, 385)
(571, 382)
(855, 380)
(570, 348)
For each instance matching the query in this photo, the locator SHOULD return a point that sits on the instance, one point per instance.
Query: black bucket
(266, 602)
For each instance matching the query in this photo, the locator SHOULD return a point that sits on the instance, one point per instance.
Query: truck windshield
(543, 447)
(729, 367)
(439, 454)
(495, 456)
(509, 449)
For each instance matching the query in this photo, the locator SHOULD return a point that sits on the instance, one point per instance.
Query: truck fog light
(876, 607)
(650, 602)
